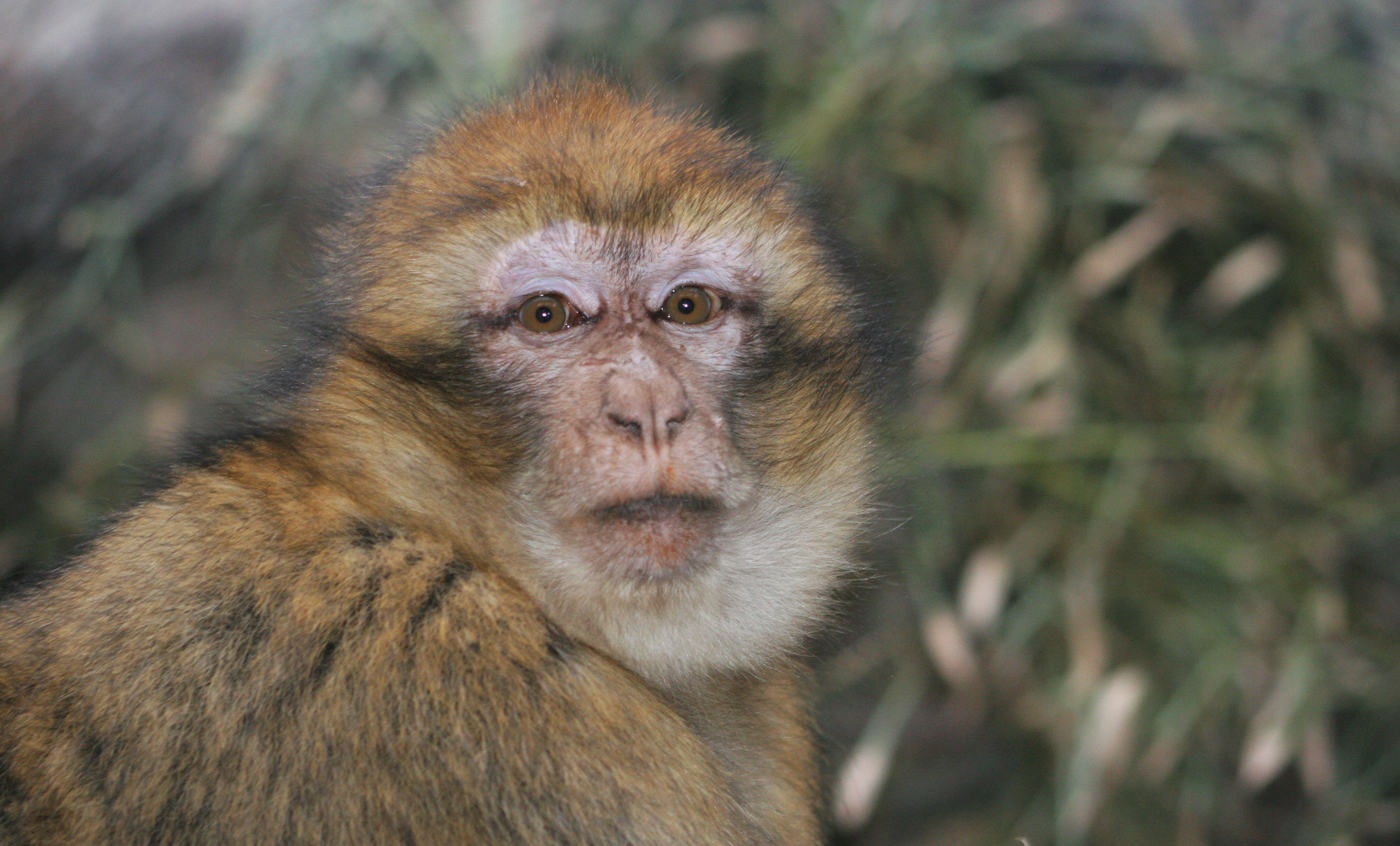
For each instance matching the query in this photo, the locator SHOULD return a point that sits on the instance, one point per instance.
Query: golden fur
(353, 625)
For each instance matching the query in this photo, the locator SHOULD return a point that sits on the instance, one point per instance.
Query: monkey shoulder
(231, 571)
(235, 583)
(220, 646)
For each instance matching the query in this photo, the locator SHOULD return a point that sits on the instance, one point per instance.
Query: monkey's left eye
(546, 313)
(690, 304)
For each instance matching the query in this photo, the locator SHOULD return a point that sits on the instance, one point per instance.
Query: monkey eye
(690, 304)
(545, 313)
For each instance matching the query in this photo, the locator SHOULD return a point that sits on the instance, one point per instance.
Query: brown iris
(689, 304)
(545, 313)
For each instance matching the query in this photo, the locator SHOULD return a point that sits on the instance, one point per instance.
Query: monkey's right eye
(546, 313)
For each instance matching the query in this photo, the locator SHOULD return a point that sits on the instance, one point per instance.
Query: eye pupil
(689, 304)
(545, 313)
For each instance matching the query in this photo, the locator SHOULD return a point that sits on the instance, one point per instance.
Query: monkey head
(617, 330)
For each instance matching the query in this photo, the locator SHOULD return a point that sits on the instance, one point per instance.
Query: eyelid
(656, 297)
(519, 301)
(582, 297)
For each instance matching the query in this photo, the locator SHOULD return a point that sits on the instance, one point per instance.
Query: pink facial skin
(638, 472)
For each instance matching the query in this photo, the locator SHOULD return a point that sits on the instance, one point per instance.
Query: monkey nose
(651, 409)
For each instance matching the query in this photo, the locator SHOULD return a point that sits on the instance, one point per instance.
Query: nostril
(631, 427)
(673, 425)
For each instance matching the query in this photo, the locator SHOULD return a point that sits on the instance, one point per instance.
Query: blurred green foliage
(1141, 580)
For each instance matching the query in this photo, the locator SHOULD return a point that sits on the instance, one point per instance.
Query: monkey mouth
(658, 507)
(663, 536)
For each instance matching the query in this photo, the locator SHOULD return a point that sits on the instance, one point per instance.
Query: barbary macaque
(529, 553)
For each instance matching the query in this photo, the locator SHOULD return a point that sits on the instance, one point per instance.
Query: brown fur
(330, 632)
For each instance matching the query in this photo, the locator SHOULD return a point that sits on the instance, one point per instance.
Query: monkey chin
(654, 538)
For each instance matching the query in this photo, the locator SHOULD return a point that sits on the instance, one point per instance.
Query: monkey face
(692, 445)
(624, 345)
(689, 498)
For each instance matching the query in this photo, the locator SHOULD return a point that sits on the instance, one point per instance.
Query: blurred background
(1137, 580)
